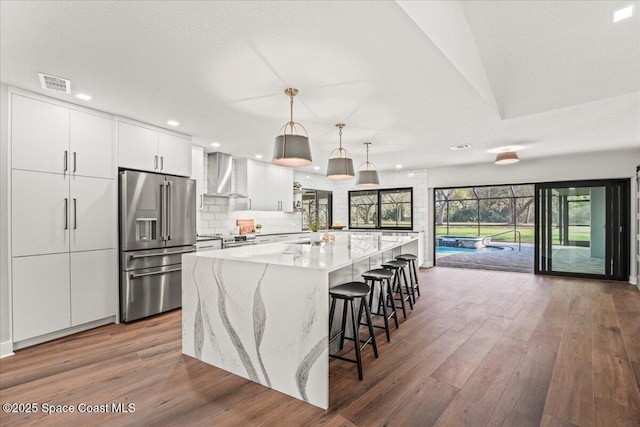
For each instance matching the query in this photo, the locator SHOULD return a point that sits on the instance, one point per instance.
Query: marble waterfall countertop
(330, 256)
(262, 311)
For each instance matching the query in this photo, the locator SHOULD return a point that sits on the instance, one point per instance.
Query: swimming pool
(451, 250)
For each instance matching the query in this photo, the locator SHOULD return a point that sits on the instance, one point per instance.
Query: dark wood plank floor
(480, 349)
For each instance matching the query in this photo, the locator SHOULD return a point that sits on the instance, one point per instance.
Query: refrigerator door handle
(153, 273)
(161, 254)
(163, 211)
(169, 203)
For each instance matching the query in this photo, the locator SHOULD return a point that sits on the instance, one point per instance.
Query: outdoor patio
(510, 259)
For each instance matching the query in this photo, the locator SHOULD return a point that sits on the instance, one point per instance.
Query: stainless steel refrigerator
(157, 226)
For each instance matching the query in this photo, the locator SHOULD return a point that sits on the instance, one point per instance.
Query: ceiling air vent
(55, 83)
(460, 147)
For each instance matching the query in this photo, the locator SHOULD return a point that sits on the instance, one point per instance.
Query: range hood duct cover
(219, 175)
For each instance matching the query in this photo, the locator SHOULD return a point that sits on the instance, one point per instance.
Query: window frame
(378, 223)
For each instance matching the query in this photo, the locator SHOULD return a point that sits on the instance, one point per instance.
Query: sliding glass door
(582, 229)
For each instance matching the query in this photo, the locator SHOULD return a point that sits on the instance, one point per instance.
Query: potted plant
(258, 228)
(314, 225)
(297, 185)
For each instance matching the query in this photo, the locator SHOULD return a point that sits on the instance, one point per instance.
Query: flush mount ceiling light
(290, 148)
(623, 13)
(172, 123)
(506, 158)
(340, 167)
(367, 177)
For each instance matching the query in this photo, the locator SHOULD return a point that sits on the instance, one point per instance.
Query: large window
(381, 209)
(317, 205)
(486, 211)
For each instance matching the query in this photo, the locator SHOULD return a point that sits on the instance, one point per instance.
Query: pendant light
(367, 177)
(290, 148)
(507, 157)
(340, 167)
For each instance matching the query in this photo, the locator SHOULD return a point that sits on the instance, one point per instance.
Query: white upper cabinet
(39, 135)
(285, 189)
(147, 149)
(137, 147)
(197, 173)
(268, 187)
(175, 154)
(91, 145)
(47, 137)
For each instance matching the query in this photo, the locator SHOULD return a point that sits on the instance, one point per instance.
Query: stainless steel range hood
(220, 176)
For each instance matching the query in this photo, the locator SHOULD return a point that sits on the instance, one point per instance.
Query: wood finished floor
(480, 349)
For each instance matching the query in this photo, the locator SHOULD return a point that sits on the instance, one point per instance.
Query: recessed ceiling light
(83, 97)
(172, 123)
(308, 177)
(316, 168)
(258, 156)
(215, 144)
(623, 13)
(411, 174)
(460, 147)
(398, 166)
(506, 148)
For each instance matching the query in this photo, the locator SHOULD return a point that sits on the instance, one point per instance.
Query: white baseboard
(6, 349)
(633, 280)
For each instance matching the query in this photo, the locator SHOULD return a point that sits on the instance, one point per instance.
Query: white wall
(5, 313)
(600, 165)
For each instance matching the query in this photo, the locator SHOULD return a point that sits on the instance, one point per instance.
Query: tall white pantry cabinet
(63, 225)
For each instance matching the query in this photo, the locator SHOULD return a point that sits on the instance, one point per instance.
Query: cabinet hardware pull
(75, 214)
(161, 163)
(249, 204)
(201, 201)
(155, 162)
(135, 276)
(66, 213)
(74, 161)
(66, 160)
(162, 254)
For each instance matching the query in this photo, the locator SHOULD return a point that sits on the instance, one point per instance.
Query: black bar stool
(383, 277)
(413, 273)
(349, 292)
(397, 267)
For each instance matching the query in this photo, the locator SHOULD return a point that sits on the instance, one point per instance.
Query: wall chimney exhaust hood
(220, 176)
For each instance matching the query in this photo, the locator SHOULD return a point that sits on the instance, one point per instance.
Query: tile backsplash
(219, 216)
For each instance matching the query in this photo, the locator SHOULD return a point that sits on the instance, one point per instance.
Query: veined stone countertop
(347, 249)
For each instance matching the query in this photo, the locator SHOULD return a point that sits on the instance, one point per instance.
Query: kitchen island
(261, 312)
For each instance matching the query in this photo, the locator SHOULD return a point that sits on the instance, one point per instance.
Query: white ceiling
(412, 77)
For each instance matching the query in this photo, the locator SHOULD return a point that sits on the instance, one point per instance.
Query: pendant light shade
(507, 157)
(291, 148)
(367, 177)
(340, 167)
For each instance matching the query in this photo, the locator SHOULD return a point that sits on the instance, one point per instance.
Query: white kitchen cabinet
(268, 187)
(137, 147)
(285, 189)
(39, 213)
(48, 137)
(175, 154)
(39, 135)
(93, 294)
(197, 173)
(50, 216)
(63, 207)
(41, 295)
(147, 149)
(91, 214)
(91, 145)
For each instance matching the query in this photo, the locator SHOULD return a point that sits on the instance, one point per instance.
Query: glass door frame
(617, 226)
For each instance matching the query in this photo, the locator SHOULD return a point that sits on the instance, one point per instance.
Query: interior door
(582, 229)
(181, 221)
